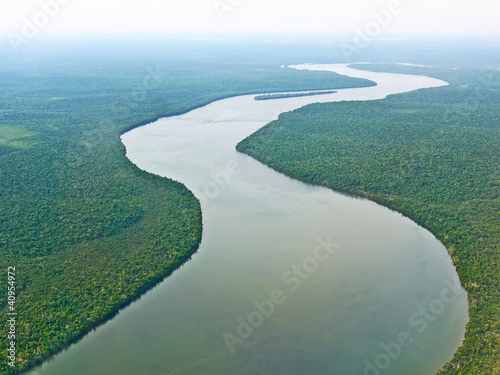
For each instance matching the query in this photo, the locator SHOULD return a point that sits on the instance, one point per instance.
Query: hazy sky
(234, 16)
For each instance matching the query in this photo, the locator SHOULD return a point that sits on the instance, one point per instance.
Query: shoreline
(439, 83)
(155, 283)
(185, 260)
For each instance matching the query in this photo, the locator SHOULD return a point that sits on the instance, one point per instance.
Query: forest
(292, 95)
(433, 155)
(85, 229)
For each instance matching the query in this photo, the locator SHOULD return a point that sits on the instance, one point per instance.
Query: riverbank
(248, 214)
(404, 152)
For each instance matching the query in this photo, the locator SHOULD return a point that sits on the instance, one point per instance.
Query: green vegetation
(14, 137)
(86, 230)
(433, 155)
(293, 95)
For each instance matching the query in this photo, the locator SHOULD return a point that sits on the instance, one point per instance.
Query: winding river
(290, 278)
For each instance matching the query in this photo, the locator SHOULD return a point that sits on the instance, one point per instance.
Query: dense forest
(86, 230)
(292, 95)
(433, 155)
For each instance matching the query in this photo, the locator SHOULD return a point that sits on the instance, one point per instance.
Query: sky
(250, 16)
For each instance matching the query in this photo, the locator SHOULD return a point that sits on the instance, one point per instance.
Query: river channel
(290, 278)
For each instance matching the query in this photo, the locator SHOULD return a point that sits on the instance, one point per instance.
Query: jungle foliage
(87, 230)
(433, 155)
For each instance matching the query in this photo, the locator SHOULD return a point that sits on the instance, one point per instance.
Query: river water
(290, 278)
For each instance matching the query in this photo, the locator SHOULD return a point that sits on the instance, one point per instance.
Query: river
(290, 278)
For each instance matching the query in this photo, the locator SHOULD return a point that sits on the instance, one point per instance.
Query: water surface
(290, 278)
